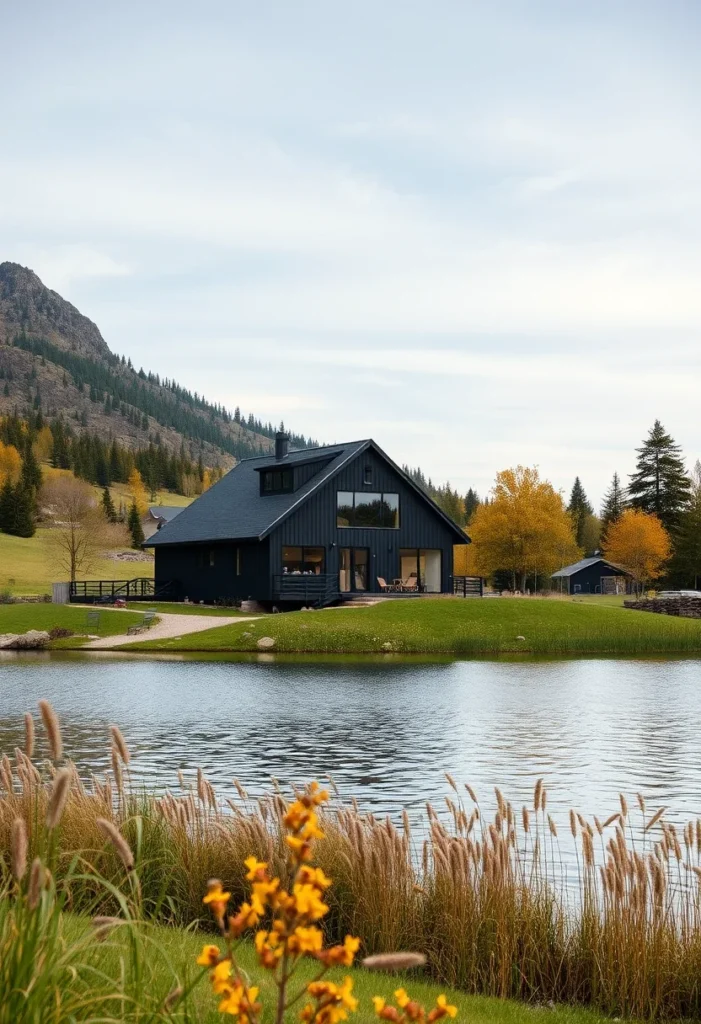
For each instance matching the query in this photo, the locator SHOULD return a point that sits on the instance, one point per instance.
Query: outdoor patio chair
(386, 588)
(410, 585)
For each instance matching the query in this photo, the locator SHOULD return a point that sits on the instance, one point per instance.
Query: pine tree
(108, 506)
(613, 505)
(471, 503)
(685, 567)
(660, 484)
(23, 522)
(134, 526)
(7, 506)
(580, 509)
(31, 470)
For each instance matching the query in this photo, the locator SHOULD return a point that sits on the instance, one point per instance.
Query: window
(205, 558)
(211, 556)
(238, 561)
(276, 481)
(367, 510)
(367, 476)
(299, 561)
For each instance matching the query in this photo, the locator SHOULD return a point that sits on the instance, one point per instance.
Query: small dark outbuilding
(594, 576)
(308, 527)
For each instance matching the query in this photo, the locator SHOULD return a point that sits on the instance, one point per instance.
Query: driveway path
(169, 626)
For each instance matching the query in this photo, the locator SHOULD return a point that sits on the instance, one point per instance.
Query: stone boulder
(33, 640)
(265, 643)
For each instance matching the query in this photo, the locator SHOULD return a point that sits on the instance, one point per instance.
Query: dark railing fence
(319, 589)
(107, 591)
(468, 586)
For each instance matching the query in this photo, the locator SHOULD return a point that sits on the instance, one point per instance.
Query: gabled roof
(584, 563)
(234, 509)
(165, 512)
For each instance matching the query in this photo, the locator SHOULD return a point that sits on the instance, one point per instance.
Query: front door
(353, 570)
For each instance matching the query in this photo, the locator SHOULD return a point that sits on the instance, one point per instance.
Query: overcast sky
(470, 230)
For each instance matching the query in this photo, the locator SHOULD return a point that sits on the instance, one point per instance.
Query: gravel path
(169, 626)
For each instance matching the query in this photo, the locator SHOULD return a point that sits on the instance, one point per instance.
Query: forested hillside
(54, 360)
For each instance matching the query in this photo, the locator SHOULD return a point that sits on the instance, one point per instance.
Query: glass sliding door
(423, 566)
(408, 564)
(353, 566)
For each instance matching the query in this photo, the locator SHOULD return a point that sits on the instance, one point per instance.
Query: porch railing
(468, 586)
(106, 591)
(318, 589)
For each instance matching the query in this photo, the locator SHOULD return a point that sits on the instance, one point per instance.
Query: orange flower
(256, 869)
(216, 898)
(209, 956)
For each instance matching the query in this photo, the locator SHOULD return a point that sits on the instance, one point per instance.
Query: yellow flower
(256, 868)
(300, 847)
(308, 902)
(345, 994)
(296, 815)
(316, 795)
(314, 876)
(402, 998)
(216, 898)
(444, 1005)
(306, 940)
(262, 891)
(341, 955)
(379, 1003)
(209, 956)
(220, 977)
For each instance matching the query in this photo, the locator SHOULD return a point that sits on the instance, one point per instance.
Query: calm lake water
(386, 731)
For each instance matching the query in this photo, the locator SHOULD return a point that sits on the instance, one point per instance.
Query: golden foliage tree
(525, 528)
(639, 542)
(137, 490)
(44, 445)
(10, 464)
(80, 532)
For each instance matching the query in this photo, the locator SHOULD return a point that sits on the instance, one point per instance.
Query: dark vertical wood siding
(314, 523)
(180, 564)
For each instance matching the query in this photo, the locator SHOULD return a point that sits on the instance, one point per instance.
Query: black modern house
(594, 576)
(308, 527)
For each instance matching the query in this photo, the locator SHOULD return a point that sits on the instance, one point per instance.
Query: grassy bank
(28, 565)
(457, 626)
(18, 618)
(484, 900)
(171, 959)
(179, 608)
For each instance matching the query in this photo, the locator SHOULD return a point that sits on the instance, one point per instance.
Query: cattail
(36, 882)
(19, 848)
(655, 818)
(525, 818)
(624, 805)
(394, 961)
(111, 832)
(573, 823)
(120, 743)
(53, 729)
(59, 795)
(28, 735)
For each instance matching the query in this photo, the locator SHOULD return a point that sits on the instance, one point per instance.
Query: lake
(385, 730)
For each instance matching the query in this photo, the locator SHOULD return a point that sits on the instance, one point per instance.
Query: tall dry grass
(484, 899)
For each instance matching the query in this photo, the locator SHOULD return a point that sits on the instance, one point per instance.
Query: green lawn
(173, 959)
(28, 565)
(456, 626)
(18, 618)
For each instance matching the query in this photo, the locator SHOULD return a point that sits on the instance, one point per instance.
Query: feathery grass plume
(655, 818)
(36, 883)
(173, 998)
(537, 795)
(19, 848)
(526, 819)
(120, 743)
(53, 729)
(471, 793)
(59, 796)
(610, 820)
(641, 802)
(29, 735)
(103, 925)
(394, 961)
(451, 781)
(8, 779)
(624, 805)
(112, 833)
(573, 823)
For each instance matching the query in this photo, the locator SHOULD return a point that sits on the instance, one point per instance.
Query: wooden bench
(147, 620)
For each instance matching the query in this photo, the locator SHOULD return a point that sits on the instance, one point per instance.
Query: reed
(484, 900)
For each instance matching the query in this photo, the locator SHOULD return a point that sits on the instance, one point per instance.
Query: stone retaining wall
(686, 607)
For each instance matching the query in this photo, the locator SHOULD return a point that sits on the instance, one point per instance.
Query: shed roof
(584, 563)
(165, 512)
(234, 508)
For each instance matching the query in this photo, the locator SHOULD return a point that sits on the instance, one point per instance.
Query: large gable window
(367, 510)
(276, 481)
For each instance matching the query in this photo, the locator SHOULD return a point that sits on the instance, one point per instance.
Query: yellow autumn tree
(10, 464)
(44, 445)
(639, 542)
(137, 491)
(524, 529)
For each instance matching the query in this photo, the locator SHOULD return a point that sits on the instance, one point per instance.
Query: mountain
(54, 359)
